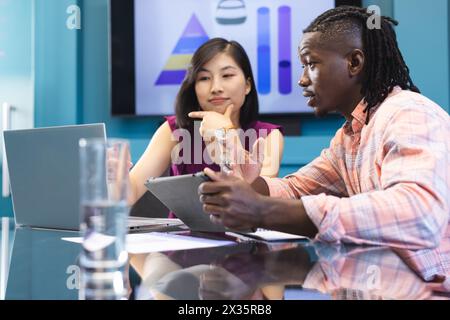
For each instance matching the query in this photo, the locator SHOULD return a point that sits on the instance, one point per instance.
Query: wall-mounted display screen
(152, 43)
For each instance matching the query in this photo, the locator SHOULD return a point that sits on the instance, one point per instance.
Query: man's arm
(286, 215)
(409, 208)
(320, 176)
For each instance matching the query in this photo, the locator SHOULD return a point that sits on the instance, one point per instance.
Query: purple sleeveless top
(262, 129)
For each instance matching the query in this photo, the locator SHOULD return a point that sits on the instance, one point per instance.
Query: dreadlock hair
(385, 67)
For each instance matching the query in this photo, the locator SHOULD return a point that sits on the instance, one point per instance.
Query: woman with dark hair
(220, 90)
(212, 52)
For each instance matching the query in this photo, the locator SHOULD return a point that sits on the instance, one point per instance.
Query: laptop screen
(43, 167)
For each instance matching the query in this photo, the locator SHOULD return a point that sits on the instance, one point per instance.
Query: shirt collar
(358, 120)
(359, 115)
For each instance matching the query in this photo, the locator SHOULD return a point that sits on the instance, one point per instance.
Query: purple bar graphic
(284, 50)
(264, 50)
(171, 77)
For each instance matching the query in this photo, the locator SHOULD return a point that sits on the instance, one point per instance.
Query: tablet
(180, 195)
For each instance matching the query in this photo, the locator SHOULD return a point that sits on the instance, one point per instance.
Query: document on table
(270, 235)
(158, 242)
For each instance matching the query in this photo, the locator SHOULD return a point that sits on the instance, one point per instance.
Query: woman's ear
(356, 61)
(248, 86)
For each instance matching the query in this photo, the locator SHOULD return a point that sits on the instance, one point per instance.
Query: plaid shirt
(369, 273)
(386, 183)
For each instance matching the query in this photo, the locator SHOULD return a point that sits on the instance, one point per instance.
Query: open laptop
(44, 175)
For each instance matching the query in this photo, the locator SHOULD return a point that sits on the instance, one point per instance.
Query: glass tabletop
(38, 264)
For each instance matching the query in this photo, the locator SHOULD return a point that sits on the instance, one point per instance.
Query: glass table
(38, 264)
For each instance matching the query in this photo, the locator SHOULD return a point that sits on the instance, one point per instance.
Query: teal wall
(386, 6)
(423, 35)
(15, 52)
(57, 73)
(16, 68)
(424, 38)
(95, 70)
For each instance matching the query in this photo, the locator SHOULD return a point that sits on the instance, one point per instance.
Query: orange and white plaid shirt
(384, 183)
(368, 273)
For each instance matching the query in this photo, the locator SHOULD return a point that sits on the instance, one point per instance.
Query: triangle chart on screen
(193, 36)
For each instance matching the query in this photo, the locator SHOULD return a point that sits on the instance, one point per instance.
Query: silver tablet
(180, 195)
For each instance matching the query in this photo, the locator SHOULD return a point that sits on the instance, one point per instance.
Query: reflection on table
(42, 266)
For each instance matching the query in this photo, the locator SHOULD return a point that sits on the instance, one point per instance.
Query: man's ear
(356, 60)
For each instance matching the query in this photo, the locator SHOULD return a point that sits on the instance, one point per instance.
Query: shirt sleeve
(319, 176)
(411, 210)
(172, 121)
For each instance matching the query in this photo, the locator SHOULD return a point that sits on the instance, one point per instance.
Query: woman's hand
(230, 152)
(118, 164)
(211, 121)
(113, 161)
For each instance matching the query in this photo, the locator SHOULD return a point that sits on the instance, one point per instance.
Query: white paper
(97, 241)
(73, 239)
(158, 242)
(270, 235)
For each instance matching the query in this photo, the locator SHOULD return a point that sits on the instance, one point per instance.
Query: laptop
(43, 168)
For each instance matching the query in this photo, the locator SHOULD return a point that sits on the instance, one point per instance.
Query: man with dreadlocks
(384, 180)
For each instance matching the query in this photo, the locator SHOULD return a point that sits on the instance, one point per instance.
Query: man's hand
(248, 165)
(234, 203)
(231, 201)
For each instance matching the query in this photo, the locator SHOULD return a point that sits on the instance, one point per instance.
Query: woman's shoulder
(258, 125)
